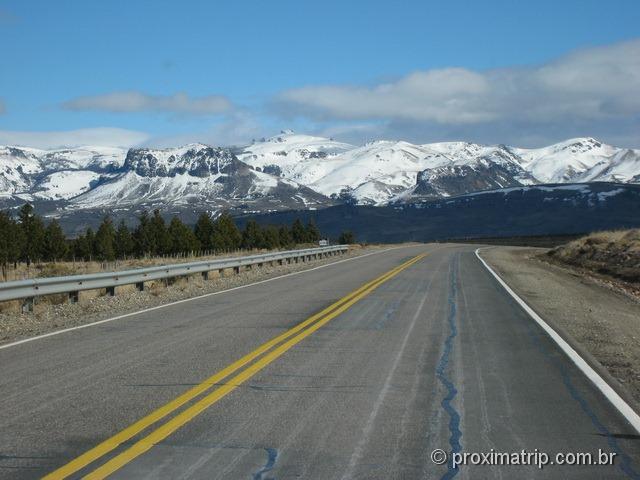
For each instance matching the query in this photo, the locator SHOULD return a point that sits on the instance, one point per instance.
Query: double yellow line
(282, 343)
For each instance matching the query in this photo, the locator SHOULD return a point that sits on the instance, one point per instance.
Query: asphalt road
(435, 356)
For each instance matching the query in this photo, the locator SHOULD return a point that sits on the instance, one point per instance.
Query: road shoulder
(600, 322)
(50, 318)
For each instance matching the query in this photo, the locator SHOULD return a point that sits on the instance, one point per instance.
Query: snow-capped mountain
(301, 158)
(55, 174)
(196, 175)
(384, 171)
(292, 171)
(372, 173)
(479, 174)
(17, 167)
(565, 161)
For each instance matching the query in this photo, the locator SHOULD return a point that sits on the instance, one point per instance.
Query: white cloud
(596, 84)
(132, 101)
(108, 137)
(236, 129)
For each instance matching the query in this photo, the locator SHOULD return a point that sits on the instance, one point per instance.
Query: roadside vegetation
(612, 253)
(29, 247)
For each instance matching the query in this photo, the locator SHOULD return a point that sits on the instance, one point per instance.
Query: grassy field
(542, 241)
(613, 253)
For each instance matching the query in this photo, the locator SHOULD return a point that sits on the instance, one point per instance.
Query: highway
(357, 370)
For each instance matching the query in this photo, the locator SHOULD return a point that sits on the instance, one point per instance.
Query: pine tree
(11, 242)
(285, 237)
(105, 240)
(90, 239)
(77, 245)
(5, 242)
(252, 236)
(204, 231)
(145, 243)
(55, 242)
(271, 237)
(226, 236)
(298, 232)
(182, 238)
(160, 233)
(346, 237)
(124, 244)
(83, 245)
(312, 232)
(33, 232)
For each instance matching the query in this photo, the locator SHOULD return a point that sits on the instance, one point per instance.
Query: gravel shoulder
(54, 313)
(596, 316)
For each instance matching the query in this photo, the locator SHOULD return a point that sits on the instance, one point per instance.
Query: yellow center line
(188, 414)
(113, 442)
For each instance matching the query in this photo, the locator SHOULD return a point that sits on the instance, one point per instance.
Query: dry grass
(613, 253)
(56, 269)
(154, 288)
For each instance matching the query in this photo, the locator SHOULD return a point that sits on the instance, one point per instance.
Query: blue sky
(160, 72)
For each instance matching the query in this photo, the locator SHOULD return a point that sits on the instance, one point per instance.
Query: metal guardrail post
(27, 305)
(28, 290)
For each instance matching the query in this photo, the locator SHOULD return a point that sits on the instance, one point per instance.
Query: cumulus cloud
(132, 101)
(590, 85)
(108, 137)
(233, 130)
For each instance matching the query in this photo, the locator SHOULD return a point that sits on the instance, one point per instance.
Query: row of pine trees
(27, 238)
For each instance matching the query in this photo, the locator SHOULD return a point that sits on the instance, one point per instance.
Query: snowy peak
(89, 178)
(622, 167)
(292, 170)
(577, 146)
(566, 161)
(94, 158)
(57, 174)
(459, 179)
(299, 158)
(196, 160)
(377, 171)
(461, 151)
(195, 176)
(294, 145)
(381, 170)
(17, 165)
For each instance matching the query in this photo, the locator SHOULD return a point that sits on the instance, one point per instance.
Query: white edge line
(151, 309)
(616, 400)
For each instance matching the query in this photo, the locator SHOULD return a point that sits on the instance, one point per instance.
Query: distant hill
(517, 211)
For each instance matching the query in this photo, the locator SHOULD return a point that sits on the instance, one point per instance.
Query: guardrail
(73, 284)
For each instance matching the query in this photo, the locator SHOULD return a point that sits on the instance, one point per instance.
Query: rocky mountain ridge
(292, 171)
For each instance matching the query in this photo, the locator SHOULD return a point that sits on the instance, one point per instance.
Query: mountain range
(292, 171)
(383, 172)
